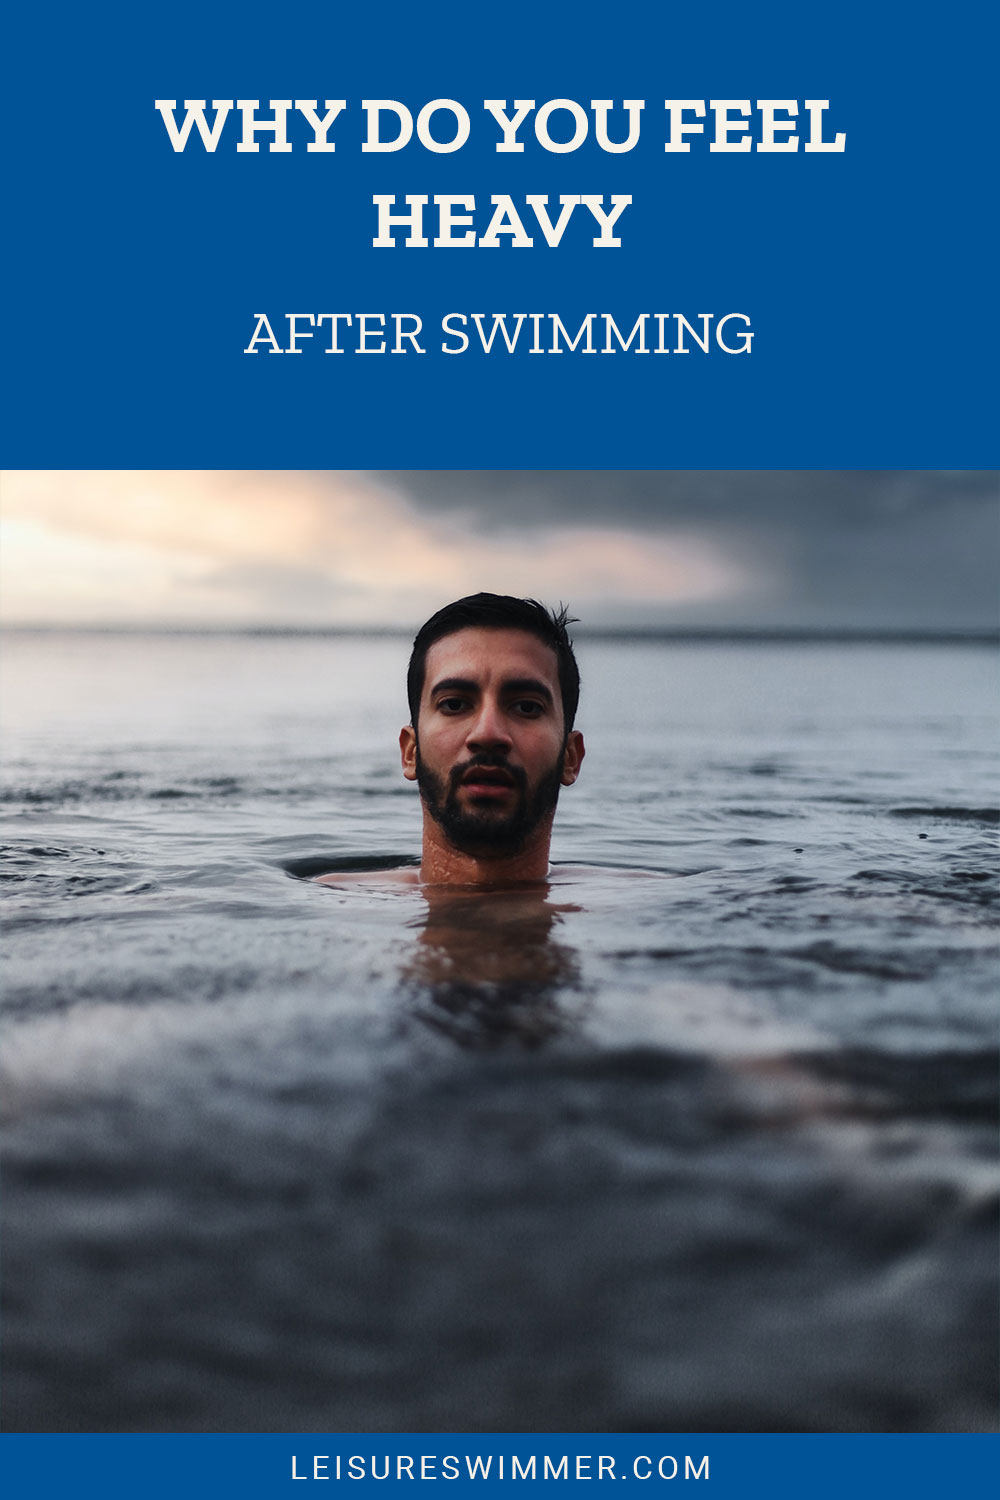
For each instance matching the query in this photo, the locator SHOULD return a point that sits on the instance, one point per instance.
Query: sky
(867, 549)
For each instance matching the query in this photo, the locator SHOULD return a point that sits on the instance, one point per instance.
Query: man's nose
(489, 729)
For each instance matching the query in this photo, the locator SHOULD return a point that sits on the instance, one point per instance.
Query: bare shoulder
(404, 875)
(408, 877)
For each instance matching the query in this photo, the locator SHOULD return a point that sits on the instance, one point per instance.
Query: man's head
(493, 688)
(498, 612)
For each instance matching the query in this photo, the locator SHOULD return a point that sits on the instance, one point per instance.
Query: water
(712, 1151)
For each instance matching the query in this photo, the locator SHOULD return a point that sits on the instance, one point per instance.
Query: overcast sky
(881, 548)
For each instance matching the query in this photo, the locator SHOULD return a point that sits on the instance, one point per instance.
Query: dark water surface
(707, 1147)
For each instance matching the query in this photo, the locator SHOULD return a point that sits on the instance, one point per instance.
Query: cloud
(871, 547)
(321, 548)
(803, 499)
(862, 548)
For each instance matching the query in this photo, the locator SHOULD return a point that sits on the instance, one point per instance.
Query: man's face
(490, 751)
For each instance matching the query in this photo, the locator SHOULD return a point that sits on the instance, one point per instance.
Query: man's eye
(451, 705)
(528, 708)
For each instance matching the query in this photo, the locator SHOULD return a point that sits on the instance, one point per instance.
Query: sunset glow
(335, 548)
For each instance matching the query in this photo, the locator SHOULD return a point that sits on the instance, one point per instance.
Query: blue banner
(779, 1466)
(562, 236)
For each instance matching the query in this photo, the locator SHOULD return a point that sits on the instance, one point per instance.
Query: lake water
(709, 1152)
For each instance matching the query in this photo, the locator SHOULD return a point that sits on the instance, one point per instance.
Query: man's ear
(572, 757)
(408, 751)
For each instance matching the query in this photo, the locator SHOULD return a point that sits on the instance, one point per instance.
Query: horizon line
(834, 634)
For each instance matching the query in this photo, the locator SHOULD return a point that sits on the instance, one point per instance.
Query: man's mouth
(488, 781)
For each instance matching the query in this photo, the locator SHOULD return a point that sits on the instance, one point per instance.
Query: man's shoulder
(405, 875)
(408, 876)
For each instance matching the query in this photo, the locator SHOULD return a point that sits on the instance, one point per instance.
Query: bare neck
(442, 864)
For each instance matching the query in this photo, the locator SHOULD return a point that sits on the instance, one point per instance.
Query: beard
(488, 830)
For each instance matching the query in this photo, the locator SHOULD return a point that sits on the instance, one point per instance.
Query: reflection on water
(489, 969)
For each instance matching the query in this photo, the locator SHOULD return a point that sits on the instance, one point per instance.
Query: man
(493, 687)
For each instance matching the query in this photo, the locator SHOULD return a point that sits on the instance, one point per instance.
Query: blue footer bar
(724, 1465)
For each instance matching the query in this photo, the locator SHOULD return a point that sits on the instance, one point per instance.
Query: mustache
(486, 762)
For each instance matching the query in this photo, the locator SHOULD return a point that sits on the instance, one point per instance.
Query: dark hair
(499, 612)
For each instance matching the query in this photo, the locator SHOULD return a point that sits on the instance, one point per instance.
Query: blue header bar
(729, 238)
